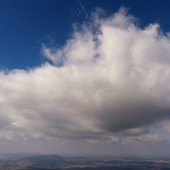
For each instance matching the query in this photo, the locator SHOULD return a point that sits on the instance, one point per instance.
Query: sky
(83, 77)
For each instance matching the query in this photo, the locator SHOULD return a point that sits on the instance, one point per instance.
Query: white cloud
(147, 138)
(111, 78)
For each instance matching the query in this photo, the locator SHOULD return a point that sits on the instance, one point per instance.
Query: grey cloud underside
(121, 119)
(112, 82)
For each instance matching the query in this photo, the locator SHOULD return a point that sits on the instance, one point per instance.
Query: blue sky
(85, 77)
(26, 25)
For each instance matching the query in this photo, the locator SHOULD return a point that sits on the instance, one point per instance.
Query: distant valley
(56, 162)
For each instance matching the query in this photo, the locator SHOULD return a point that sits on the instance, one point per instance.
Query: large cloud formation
(110, 79)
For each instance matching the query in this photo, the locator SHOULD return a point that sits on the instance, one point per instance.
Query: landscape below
(55, 162)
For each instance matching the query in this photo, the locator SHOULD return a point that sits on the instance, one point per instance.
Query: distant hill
(44, 160)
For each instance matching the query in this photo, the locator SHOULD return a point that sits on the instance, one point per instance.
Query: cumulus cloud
(111, 79)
